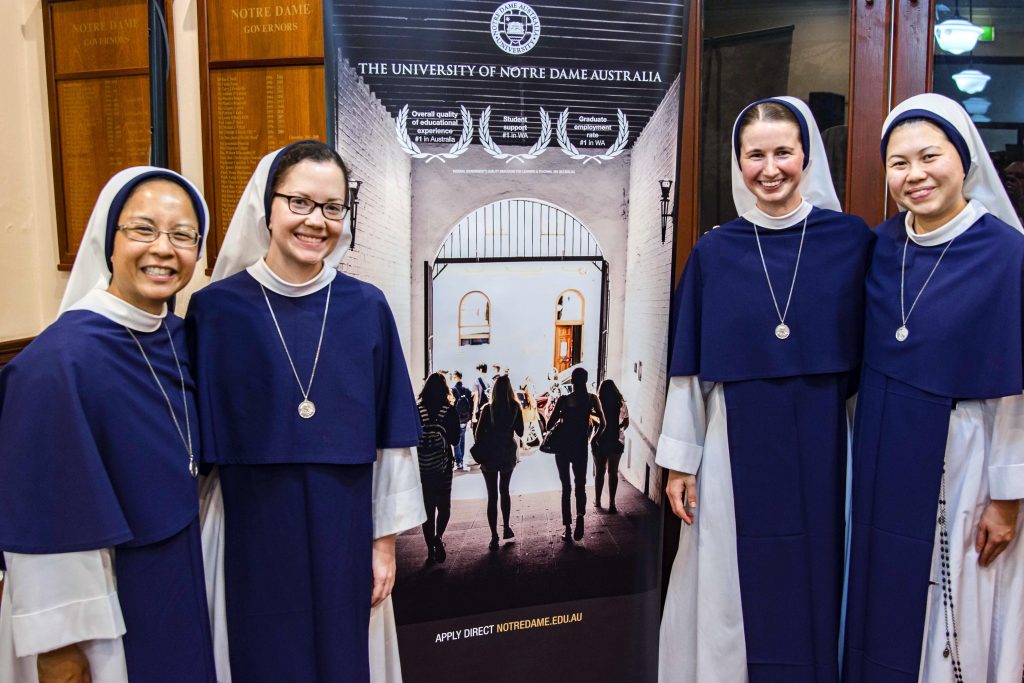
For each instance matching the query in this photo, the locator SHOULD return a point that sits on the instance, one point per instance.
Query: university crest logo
(515, 27)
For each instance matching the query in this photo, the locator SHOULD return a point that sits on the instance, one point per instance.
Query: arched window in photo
(474, 319)
(568, 329)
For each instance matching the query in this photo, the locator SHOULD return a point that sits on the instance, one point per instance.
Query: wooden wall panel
(97, 66)
(239, 30)
(109, 132)
(261, 87)
(255, 110)
(100, 35)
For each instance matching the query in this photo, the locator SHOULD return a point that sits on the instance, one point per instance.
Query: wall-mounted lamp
(353, 202)
(666, 212)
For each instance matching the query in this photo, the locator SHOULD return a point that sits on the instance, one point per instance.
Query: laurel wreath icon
(413, 150)
(495, 151)
(617, 148)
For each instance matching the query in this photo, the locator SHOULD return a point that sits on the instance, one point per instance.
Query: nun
(936, 588)
(764, 357)
(307, 403)
(99, 447)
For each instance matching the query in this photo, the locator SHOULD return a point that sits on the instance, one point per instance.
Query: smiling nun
(308, 409)
(99, 446)
(936, 572)
(765, 355)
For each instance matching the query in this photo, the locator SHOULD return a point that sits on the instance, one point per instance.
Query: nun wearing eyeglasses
(936, 588)
(765, 354)
(307, 403)
(99, 444)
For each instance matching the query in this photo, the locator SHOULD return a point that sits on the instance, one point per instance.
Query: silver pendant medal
(782, 330)
(902, 333)
(307, 408)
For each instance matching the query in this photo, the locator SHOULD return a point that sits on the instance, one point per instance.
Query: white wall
(523, 297)
(365, 139)
(31, 285)
(595, 194)
(648, 295)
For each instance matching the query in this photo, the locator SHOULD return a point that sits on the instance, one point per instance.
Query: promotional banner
(514, 167)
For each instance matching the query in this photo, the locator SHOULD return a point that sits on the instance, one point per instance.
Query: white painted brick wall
(365, 139)
(648, 291)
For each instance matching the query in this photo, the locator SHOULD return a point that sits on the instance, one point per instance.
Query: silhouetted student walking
(464, 407)
(608, 446)
(571, 427)
(441, 431)
(496, 451)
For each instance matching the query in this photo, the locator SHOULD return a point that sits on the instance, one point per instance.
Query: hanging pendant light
(977, 105)
(971, 81)
(957, 35)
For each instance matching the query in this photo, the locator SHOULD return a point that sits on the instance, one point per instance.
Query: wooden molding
(11, 348)
(686, 218)
(869, 98)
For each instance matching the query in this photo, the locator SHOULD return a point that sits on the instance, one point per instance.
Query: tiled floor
(618, 554)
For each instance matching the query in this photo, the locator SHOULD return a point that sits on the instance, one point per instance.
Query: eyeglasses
(180, 238)
(303, 206)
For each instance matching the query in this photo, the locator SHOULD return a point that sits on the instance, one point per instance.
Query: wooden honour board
(262, 87)
(97, 69)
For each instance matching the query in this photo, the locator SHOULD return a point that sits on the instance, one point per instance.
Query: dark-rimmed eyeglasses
(180, 238)
(303, 206)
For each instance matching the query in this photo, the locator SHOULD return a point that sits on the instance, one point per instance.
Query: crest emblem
(515, 27)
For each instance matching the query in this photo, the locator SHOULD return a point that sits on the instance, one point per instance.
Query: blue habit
(90, 459)
(786, 421)
(965, 343)
(298, 492)
(248, 394)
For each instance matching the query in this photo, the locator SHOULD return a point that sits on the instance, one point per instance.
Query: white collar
(120, 311)
(956, 226)
(763, 220)
(262, 273)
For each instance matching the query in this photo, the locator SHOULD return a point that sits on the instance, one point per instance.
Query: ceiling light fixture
(957, 35)
(971, 81)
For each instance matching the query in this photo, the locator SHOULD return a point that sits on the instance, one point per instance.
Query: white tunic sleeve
(397, 493)
(1006, 458)
(60, 599)
(681, 445)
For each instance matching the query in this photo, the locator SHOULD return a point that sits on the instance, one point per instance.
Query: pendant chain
(792, 285)
(319, 344)
(902, 333)
(193, 469)
(952, 649)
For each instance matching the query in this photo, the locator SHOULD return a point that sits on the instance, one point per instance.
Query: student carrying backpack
(441, 431)
(433, 449)
(463, 403)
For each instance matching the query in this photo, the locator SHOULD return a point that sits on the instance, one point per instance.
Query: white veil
(248, 237)
(982, 182)
(91, 270)
(815, 184)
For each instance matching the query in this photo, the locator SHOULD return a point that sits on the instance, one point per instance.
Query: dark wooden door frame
(891, 58)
